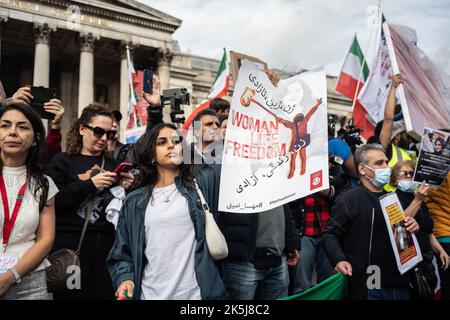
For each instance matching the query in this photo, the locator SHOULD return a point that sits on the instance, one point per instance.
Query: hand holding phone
(148, 81)
(42, 95)
(123, 167)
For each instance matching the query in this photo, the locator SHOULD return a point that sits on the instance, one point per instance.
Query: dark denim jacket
(126, 260)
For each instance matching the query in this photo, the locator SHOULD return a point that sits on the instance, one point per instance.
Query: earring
(153, 162)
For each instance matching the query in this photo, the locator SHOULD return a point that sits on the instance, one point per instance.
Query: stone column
(165, 57)
(66, 95)
(86, 78)
(124, 88)
(41, 74)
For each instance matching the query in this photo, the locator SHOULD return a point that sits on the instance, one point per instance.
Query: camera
(339, 178)
(352, 137)
(175, 97)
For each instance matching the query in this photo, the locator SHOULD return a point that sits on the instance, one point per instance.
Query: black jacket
(347, 236)
(240, 229)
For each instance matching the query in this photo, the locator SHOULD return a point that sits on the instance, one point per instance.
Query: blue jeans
(312, 256)
(244, 282)
(388, 294)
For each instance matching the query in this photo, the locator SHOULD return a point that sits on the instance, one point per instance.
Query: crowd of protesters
(154, 247)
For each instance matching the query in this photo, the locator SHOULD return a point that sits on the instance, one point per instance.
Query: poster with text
(434, 157)
(276, 148)
(404, 243)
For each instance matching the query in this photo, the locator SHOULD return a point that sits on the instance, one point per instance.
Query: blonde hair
(396, 169)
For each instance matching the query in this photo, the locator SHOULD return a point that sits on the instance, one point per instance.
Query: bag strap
(371, 236)
(202, 198)
(86, 220)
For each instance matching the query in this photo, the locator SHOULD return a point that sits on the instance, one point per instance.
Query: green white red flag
(351, 79)
(218, 89)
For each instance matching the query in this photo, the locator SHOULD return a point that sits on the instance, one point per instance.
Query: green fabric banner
(333, 288)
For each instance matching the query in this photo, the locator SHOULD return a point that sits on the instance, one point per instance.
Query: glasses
(406, 173)
(164, 141)
(100, 132)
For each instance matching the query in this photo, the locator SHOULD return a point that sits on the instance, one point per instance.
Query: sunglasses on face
(100, 132)
(163, 141)
(406, 173)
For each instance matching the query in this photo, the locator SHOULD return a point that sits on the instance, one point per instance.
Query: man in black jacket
(261, 246)
(356, 239)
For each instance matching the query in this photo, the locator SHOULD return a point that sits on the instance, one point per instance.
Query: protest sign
(236, 59)
(434, 157)
(276, 146)
(424, 95)
(404, 243)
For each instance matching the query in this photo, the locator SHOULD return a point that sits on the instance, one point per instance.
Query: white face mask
(382, 176)
(407, 186)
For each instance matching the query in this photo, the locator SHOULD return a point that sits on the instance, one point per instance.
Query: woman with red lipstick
(84, 176)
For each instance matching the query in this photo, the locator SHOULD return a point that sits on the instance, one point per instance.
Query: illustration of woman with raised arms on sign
(300, 138)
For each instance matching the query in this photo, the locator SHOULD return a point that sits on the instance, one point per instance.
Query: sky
(302, 34)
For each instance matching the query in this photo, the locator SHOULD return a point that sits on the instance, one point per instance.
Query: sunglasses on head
(100, 132)
(406, 173)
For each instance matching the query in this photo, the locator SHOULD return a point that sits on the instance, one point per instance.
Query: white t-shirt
(170, 248)
(23, 234)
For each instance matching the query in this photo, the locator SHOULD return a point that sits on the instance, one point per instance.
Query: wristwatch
(16, 275)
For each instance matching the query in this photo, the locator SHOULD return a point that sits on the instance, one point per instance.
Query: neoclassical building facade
(78, 47)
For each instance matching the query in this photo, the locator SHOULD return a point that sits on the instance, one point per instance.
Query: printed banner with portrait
(404, 243)
(434, 157)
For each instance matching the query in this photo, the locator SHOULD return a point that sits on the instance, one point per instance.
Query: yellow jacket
(438, 204)
(398, 154)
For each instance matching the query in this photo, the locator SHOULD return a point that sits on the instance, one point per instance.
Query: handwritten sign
(276, 141)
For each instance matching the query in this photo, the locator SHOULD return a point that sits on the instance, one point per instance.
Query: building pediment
(127, 11)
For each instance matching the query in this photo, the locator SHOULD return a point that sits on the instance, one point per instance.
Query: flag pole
(364, 56)
(131, 97)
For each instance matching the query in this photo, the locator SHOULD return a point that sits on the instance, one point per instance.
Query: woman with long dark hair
(27, 214)
(85, 177)
(160, 251)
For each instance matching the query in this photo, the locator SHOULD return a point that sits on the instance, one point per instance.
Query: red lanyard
(10, 220)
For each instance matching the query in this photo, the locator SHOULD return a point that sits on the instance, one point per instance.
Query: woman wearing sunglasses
(411, 195)
(84, 176)
(160, 250)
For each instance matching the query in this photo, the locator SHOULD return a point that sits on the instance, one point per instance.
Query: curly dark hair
(148, 172)
(74, 140)
(35, 157)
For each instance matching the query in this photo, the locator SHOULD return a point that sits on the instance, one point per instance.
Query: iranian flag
(218, 89)
(134, 128)
(351, 79)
